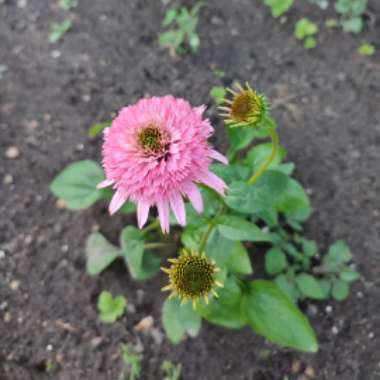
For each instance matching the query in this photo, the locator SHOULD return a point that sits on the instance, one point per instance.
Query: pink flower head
(154, 153)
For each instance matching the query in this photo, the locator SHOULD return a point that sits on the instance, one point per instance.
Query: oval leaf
(271, 314)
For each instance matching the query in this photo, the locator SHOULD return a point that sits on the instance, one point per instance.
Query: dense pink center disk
(154, 153)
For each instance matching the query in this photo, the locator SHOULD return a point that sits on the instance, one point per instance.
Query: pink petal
(195, 197)
(200, 110)
(178, 206)
(117, 201)
(142, 213)
(163, 213)
(218, 156)
(105, 183)
(213, 181)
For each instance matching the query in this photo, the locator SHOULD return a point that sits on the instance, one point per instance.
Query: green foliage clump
(183, 34)
(366, 49)
(278, 7)
(132, 360)
(58, 30)
(351, 12)
(68, 4)
(217, 93)
(172, 371)
(110, 308)
(305, 30)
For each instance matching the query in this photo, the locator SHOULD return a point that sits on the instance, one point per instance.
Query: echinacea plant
(156, 156)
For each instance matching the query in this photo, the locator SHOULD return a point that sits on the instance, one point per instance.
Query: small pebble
(12, 152)
(8, 179)
(234, 32)
(131, 308)
(334, 330)
(60, 204)
(86, 98)
(371, 335)
(2, 254)
(328, 309)
(7, 317)
(14, 284)
(157, 335)
(145, 324)
(359, 294)
(96, 342)
(3, 305)
(309, 371)
(65, 248)
(55, 54)
(49, 347)
(296, 366)
(22, 3)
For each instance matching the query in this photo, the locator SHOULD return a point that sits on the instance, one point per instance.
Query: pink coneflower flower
(154, 154)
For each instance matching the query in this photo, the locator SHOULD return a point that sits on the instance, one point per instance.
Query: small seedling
(291, 259)
(278, 7)
(96, 129)
(110, 308)
(58, 30)
(366, 49)
(67, 4)
(351, 12)
(132, 361)
(305, 31)
(172, 371)
(218, 93)
(184, 32)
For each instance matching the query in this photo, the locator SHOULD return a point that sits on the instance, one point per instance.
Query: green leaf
(219, 248)
(309, 247)
(232, 172)
(128, 208)
(76, 184)
(110, 308)
(294, 201)
(235, 228)
(325, 286)
(271, 314)
(309, 286)
(340, 290)
(194, 42)
(179, 319)
(278, 7)
(142, 265)
(170, 16)
(239, 139)
(275, 261)
(366, 49)
(96, 129)
(239, 261)
(58, 30)
(263, 195)
(218, 93)
(258, 154)
(226, 309)
(99, 254)
(171, 38)
(287, 287)
(339, 254)
(305, 28)
(353, 25)
(349, 275)
(310, 43)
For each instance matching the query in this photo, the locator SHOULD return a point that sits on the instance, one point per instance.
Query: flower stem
(275, 146)
(270, 127)
(151, 226)
(158, 245)
(209, 228)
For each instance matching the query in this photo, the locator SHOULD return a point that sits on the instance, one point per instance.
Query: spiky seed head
(247, 108)
(192, 277)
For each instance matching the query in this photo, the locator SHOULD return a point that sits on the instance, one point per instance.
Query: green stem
(158, 245)
(270, 127)
(150, 227)
(275, 146)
